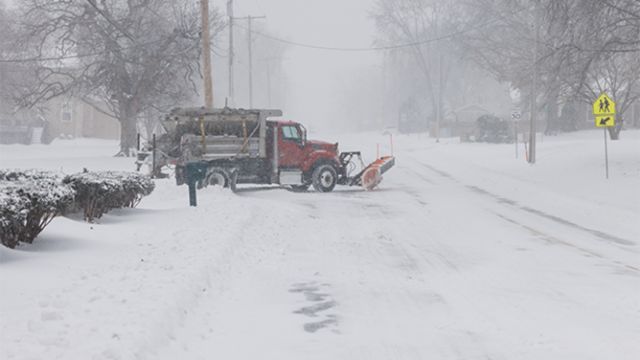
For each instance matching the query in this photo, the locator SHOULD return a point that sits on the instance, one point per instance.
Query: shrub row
(99, 192)
(30, 199)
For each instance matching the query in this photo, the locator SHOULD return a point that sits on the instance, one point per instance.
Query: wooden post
(515, 133)
(206, 54)
(231, 54)
(153, 158)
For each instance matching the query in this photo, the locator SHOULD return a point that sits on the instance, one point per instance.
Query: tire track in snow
(597, 233)
(600, 235)
(554, 240)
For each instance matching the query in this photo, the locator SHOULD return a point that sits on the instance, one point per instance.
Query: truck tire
(324, 178)
(217, 178)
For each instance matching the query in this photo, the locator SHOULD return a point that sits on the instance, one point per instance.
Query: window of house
(67, 112)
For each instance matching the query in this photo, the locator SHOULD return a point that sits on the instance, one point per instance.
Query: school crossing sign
(604, 110)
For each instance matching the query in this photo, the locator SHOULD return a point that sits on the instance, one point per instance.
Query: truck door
(290, 146)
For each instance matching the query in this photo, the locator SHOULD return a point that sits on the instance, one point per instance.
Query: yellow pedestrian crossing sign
(605, 120)
(604, 106)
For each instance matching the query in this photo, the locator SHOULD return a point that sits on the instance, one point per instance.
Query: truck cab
(297, 157)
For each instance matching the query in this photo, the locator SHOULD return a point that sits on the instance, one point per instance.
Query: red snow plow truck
(236, 146)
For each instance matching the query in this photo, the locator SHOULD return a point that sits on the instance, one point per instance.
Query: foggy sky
(315, 78)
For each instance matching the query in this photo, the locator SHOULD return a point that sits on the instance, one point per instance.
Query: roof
(285, 122)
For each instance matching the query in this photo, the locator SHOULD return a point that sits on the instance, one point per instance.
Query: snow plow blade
(371, 176)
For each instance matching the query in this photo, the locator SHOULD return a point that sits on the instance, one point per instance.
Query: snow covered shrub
(31, 174)
(27, 206)
(136, 186)
(99, 192)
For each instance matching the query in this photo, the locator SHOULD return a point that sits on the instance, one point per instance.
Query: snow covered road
(454, 257)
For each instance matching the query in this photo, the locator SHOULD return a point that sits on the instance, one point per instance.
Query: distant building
(465, 119)
(72, 117)
(62, 117)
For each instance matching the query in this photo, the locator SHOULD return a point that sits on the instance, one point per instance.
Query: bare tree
(603, 47)
(584, 48)
(14, 76)
(134, 56)
(412, 22)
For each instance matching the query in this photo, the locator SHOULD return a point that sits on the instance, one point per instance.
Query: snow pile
(28, 202)
(99, 192)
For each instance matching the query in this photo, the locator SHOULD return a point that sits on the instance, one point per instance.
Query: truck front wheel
(324, 178)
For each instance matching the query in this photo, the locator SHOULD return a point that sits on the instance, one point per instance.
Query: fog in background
(313, 86)
(341, 90)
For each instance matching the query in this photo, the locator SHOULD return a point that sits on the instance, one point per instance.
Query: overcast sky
(316, 77)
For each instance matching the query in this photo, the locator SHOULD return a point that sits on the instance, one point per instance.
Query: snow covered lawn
(464, 252)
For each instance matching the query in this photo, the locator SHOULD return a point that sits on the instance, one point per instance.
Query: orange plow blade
(372, 174)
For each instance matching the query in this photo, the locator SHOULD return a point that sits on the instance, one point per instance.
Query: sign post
(515, 115)
(606, 154)
(604, 109)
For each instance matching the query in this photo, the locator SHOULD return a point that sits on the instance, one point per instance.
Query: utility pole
(249, 39)
(250, 45)
(206, 52)
(439, 73)
(534, 90)
(231, 54)
(269, 62)
(269, 83)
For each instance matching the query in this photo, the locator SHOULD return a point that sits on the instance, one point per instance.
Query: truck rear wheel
(324, 178)
(217, 178)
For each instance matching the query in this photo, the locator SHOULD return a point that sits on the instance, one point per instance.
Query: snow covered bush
(30, 199)
(27, 205)
(99, 192)
(31, 174)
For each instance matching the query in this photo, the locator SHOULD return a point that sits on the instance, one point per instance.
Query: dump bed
(209, 134)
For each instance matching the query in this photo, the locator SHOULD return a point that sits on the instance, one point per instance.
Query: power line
(380, 48)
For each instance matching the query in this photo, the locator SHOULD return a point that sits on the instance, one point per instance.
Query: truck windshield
(290, 133)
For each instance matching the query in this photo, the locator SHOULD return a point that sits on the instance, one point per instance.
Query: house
(72, 117)
(62, 117)
(461, 121)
